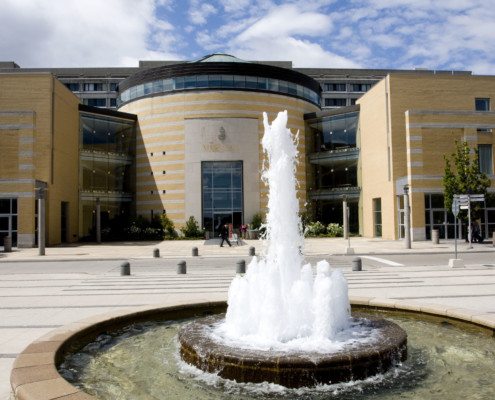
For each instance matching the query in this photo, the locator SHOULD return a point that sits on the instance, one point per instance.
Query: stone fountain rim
(35, 375)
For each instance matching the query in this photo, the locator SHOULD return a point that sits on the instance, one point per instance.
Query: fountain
(283, 325)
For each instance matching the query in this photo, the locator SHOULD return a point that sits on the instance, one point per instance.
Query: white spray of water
(277, 301)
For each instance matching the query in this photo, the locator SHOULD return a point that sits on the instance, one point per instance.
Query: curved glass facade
(233, 82)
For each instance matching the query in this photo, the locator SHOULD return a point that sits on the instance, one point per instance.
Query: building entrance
(222, 195)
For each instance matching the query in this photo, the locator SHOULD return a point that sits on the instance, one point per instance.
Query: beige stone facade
(39, 136)
(176, 132)
(407, 124)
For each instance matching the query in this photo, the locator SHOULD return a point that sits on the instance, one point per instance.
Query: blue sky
(435, 34)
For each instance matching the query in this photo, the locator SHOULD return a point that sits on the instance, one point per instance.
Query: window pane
(239, 81)
(227, 81)
(485, 158)
(482, 104)
(4, 206)
(189, 82)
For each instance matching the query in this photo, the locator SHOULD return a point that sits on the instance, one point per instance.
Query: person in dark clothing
(224, 234)
(476, 233)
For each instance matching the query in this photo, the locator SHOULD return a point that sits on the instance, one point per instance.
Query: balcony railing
(336, 193)
(329, 157)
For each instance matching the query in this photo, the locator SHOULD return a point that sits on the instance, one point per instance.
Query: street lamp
(407, 218)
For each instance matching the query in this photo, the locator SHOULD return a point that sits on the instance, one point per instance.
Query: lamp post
(345, 218)
(40, 195)
(407, 218)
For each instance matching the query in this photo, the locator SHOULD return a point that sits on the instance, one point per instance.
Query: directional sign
(455, 208)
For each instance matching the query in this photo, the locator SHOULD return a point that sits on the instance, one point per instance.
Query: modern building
(186, 141)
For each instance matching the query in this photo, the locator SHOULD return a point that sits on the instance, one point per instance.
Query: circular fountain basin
(450, 355)
(294, 369)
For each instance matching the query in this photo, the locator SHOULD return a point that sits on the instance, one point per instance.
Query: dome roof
(219, 57)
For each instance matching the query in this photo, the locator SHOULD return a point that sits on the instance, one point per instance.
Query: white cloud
(65, 33)
(288, 20)
(199, 12)
(302, 53)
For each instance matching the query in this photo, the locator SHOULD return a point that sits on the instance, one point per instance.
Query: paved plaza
(41, 293)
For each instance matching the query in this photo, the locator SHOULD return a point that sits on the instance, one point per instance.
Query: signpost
(463, 202)
(455, 211)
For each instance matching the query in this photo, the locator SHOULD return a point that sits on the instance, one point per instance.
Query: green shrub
(168, 227)
(335, 230)
(257, 221)
(191, 229)
(314, 229)
(144, 229)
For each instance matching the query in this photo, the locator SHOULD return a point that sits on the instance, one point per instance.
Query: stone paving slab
(34, 301)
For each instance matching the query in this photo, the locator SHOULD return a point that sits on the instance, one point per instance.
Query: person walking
(224, 234)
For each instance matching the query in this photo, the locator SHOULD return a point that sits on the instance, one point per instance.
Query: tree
(465, 177)
(191, 229)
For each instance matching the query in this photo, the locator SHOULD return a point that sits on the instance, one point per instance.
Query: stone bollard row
(125, 268)
(182, 267)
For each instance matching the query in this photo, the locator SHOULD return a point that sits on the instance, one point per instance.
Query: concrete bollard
(493, 239)
(7, 244)
(252, 251)
(357, 264)
(194, 252)
(125, 268)
(156, 253)
(181, 267)
(241, 267)
(435, 236)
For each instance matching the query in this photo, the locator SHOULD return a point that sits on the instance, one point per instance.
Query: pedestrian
(476, 232)
(224, 234)
(243, 231)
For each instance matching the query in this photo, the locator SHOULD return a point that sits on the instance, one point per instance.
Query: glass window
(113, 86)
(179, 83)
(335, 102)
(335, 87)
(273, 85)
(97, 102)
(202, 81)
(292, 88)
(215, 81)
(485, 158)
(227, 81)
(239, 81)
(4, 206)
(93, 87)
(222, 194)
(189, 82)
(113, 102)
(251, 82)
(72, 86)
(168, 85)
(262, 84)
(377, 217)
(482, 104)
(360, 87)
(148, 87)
(158, 86)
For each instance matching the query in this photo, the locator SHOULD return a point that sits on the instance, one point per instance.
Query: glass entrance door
(222, 195)
(8, 220)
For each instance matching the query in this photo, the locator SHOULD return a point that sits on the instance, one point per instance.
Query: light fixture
(222, 134)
